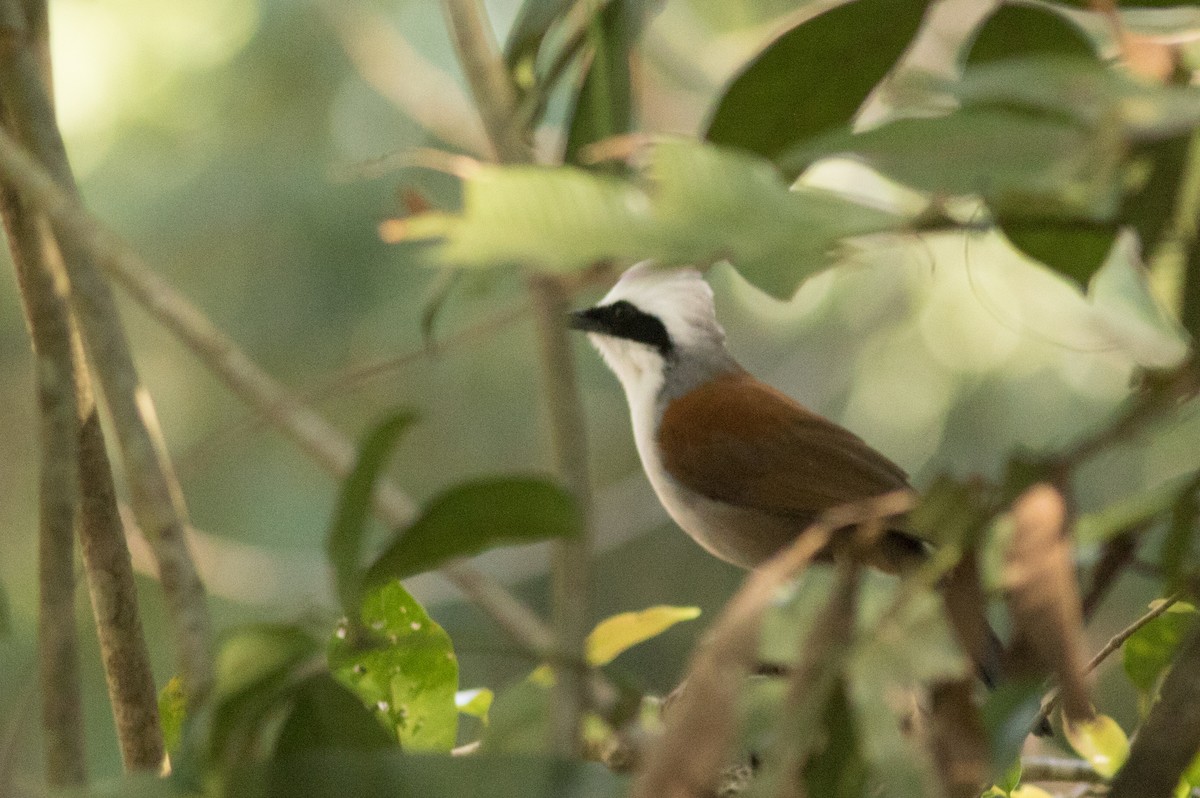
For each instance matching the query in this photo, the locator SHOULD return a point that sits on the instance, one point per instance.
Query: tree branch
(157, 498)
(44, 301)
(495, 95)
(314, 435)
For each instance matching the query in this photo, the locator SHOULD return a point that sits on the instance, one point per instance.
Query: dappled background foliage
(314, 176)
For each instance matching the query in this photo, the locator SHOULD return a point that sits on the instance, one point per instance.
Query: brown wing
(742, 442)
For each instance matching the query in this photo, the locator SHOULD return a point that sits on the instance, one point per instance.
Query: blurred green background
(236, 145)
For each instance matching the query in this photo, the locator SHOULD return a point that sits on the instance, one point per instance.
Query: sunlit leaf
(1149, 651)
(619, 633)
(475, 703)
(475, 516)
(814, 77)
(171, 711)
(1100, 741)
(409, 673)
(689, 203)
(326, 715)
(344, 545)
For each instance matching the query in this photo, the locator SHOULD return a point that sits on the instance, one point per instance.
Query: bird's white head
(657, 328)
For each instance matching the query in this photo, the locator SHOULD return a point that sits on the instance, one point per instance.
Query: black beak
(586, 320)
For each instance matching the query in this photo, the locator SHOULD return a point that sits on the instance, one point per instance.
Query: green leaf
(1100, 741)
(1075, 250)
(1149, 651)
(519, 721)
(476, 516)
(344, 545)
(1141, 508)
(604, 106)
(837, 769)
(412, 678)
(1024, 164)
(172, 708)
(533, 22)
(1150, 208)
(814, 77)
(325, 715)
(256, 669)
(690, 203)
(1019, 30)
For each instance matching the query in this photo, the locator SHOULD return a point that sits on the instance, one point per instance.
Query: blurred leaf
(1131, 512)
(412, 679)
(475, 703)
(325, 715)
(1020, 30)
(1024, 163)
(1043, 596)
(1149, 651)
(439, 294)
(691, 203)
(1130, 315)
(1104, 100)
(519, 720)
(5, 614)
(476, 516)
(1100, 741)
(952, 511)
(354, 774)
(256, 668)
(1030, 791)
(814, 77)
(604, 106)
(354, 507)
(1177, 546)
(533, 22)
(1075, 250)
(1150, 208)
(171, 713)
(837, 768)
(1008, 714)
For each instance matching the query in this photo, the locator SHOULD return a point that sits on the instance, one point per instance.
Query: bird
(740, 466)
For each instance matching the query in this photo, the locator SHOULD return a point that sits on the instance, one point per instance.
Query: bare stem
(571, 566)
(157, 499)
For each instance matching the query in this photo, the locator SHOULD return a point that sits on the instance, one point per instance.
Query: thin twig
(350, 379)
(1051, 701)
(157, 497)
(315, 436)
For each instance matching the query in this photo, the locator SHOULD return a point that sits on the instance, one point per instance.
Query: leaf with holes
(407, 671)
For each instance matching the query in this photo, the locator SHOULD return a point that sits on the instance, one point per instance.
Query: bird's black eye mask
(623, 319)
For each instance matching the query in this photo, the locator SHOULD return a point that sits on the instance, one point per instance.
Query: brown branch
(1114, 644)
(157, 497)
(1115, 556)
(42, 296)
(1168, 740)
